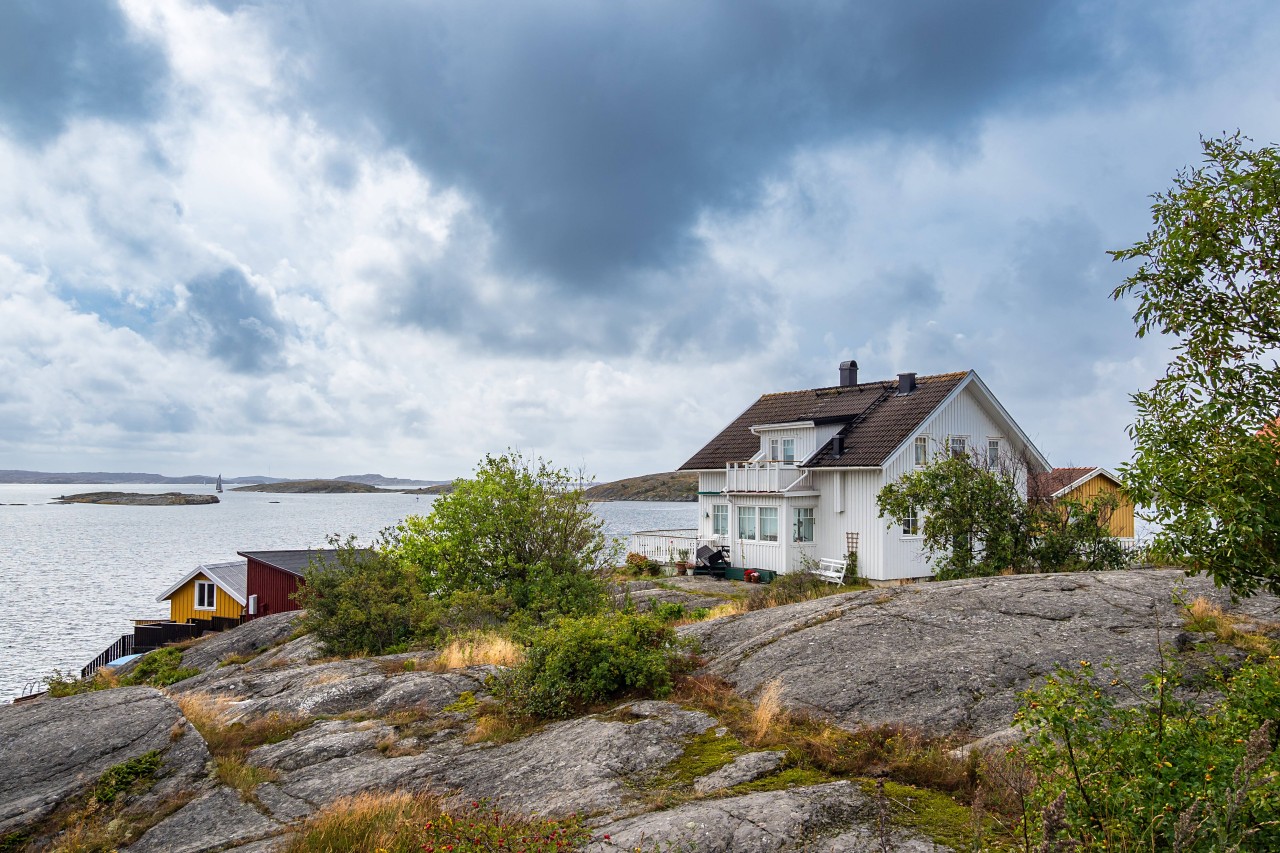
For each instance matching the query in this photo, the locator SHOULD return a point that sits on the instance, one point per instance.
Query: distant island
(45, 478)
(314, 487)
(136, 499)
(673, 486)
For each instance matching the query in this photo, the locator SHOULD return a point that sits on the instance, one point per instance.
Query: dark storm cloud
(61, 59)
(238, 323)
(593, 134)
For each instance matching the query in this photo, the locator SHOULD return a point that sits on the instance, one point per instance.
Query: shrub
(790, 588)
(580, 662)
(639, 564)
(1075, 536)
(118, 779)
(364, 601)
(1166, 773)
(160, 669)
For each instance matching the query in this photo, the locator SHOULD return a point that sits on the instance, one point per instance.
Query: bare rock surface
(744, 768)
(952, 656)
(811, 818)
(365, 685)
(57, 748)
(250, 638)
(215, 821)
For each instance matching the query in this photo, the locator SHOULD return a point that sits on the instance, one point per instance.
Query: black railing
(151, 636)
(118, 649)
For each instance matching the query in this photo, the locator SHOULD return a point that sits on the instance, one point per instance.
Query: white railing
(760, 476)
(664, 546)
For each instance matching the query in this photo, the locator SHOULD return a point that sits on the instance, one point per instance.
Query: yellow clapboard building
(215, 589)
(1084, 485)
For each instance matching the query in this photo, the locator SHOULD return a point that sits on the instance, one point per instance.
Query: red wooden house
(274, 576)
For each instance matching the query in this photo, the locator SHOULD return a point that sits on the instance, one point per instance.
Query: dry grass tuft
(367, 821)
(235, 772)
(230, 740)
(1205, 616)
(483, 647)
(729, 608)
(767, 713)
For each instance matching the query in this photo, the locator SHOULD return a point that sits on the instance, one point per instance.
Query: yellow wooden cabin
(1083, 485)
(215, 589)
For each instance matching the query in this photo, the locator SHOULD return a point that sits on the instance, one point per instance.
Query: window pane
(769, 523)
(746, 522)
(993, 452)
(802, 524)
(720, 520)
(910, 523)
(773, 449)
(788, 450)
(959, 445)
(922, 451)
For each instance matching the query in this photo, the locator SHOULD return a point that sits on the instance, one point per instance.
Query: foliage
(1165, 773)
(410, 823)
(1075, 536)
(791, 588)
(118, 779)
(159, 668)
(578, 662)
(1206, 445)
(364, 600)
(639, 564)
(974, 519)
(520, 527)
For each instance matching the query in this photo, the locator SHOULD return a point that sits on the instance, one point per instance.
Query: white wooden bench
(831, 571)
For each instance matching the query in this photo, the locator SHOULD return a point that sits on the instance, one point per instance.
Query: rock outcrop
(946, 658)
(55, 750)
(951, 657)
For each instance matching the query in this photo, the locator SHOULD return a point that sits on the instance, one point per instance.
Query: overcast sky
(321, 238)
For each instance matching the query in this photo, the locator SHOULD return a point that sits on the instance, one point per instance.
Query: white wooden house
(793, 480)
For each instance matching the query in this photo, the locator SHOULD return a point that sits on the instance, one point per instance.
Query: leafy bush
(365, 601)
(580, 662)
(118, 779)
(1075, 536)
(518, 526)
(1164, 774)
(639, 564)
(790, 588)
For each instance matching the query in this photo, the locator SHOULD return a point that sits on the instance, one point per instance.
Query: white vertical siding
(903, 556)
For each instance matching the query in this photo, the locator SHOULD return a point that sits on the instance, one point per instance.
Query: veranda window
(768, 524)
(746, 522)
(802, 524)
(719, 520)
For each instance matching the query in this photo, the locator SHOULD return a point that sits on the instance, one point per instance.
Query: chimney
(906, 383)
(848, 373)
(837, 447)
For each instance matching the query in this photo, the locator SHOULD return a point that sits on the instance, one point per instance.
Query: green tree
(1075, 536)
(973, 520)
(1206, 449)
(519, 527)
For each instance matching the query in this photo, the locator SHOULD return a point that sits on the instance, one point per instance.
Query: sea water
(73, 577)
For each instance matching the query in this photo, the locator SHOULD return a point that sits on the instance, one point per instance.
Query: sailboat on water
(217, 487)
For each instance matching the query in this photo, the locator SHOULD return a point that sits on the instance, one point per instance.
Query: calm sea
(73, 577)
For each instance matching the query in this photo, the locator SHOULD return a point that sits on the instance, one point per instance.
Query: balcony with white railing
(761, 476)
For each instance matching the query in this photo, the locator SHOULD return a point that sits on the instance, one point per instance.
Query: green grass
(791, 777)
(703, 754)
(120, 778)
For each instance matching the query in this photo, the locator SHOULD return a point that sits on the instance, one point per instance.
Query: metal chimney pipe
(906, 383)
(848, 373)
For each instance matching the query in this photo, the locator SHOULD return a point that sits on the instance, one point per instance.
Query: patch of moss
(792, 777)
(118, 779)
(465, 703)
(14, 841)
(929, 813)
(704, 754)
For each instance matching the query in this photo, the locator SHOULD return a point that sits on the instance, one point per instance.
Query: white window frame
(747, 514)
(911, 524)
(763, 513)
(775, 449)
(920, 451)
(996, 443)
(212, 597)
(719, 512)
(964, 445)
(788, 450)
(796, 523)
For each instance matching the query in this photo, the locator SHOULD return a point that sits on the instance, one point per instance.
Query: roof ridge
(868, 385)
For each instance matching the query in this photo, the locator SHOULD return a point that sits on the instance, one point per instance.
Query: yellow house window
(205, 595)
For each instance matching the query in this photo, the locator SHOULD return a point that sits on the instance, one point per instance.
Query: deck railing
(665, 546)
(118, 649)
(760, 476)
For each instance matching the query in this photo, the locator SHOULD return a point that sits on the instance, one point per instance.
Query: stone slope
(942, 657)
(947, 657)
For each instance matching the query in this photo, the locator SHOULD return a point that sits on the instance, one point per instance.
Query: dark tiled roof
(878, 421)
(293, 562)
(1045, 486)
